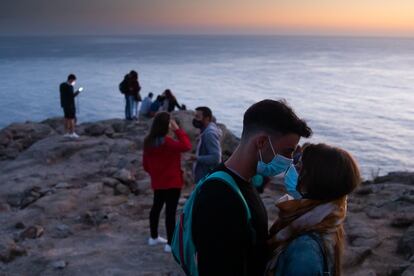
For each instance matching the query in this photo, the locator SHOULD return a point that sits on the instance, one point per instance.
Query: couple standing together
(224, 226)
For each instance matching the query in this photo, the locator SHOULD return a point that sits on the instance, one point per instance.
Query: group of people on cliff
(131, 88)
(135, 106)
(223, 227)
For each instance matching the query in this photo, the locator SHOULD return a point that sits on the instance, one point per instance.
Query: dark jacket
(134, 89)
(226, 244)
(67, 96)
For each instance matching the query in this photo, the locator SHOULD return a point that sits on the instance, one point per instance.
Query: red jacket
(163, 163)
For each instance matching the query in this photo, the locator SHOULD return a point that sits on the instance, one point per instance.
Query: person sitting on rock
(307, 238)
(146, 105)
(162, 160)
(67, 102)
(170, 102)
(156, 106)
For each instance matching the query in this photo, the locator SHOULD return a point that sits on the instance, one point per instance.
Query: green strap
(228, 179)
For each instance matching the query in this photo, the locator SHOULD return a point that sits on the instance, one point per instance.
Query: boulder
(110, 182)
(409, 271)
(9, 250)
(18, 137)
(355, 256)
(358, 230)
(63, 185)
(96, 129)
(124, 175)
(396, 177)
(32, 232)
(122, 189)
(406, 243)
(61, 231)
(4, 207)
(58, 264)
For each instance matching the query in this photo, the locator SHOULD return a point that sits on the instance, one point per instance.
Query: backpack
(182, 246)
(123, 86)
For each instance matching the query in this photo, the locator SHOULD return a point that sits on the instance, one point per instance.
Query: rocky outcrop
(81, 206)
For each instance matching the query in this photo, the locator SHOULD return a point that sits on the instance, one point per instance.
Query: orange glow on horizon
(317, 15)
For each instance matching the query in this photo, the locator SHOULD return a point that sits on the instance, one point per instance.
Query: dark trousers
(170, 197)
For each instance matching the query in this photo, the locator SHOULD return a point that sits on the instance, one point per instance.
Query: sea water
(356, 93)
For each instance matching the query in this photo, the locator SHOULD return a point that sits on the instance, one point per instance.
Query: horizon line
(155, 34)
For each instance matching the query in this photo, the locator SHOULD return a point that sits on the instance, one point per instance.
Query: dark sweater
(67, 96)
(221, 234)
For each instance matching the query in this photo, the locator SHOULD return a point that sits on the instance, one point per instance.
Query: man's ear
(260, 141)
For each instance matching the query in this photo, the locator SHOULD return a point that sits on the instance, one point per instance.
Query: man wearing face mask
(226, 242)
(67, 102)
(208, 152)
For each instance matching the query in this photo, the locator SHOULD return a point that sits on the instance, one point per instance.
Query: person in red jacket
(162, 160)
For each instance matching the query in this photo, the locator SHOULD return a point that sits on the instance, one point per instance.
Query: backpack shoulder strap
(228, 179)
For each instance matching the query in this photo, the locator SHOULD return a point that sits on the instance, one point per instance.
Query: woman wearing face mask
(307, 237)
(162, 160)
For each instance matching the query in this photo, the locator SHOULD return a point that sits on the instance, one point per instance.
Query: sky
(359, 17)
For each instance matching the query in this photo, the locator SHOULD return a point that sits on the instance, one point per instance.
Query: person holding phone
(162, 161)
(67, 102)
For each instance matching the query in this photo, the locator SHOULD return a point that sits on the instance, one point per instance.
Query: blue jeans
(130, 107)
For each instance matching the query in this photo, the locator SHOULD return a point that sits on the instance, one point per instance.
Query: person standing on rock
(67, 102)
(208, 152)
(124, 89)
(133, 92)
(307, 238)
(162, 161)
(228, 239)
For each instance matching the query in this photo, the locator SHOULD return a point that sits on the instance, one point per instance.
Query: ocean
(356, 93)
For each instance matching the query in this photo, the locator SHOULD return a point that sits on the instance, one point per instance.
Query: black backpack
(123, 86)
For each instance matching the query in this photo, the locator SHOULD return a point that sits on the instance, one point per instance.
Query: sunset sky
(360, 17)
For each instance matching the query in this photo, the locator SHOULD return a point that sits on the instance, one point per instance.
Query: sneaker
(67, 135)
(156, 241)
(74, 135)
(167, 248)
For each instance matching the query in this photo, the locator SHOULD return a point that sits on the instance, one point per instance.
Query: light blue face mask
(278, 164)
(291, 182)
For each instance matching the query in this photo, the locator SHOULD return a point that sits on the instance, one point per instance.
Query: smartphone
(80, 89)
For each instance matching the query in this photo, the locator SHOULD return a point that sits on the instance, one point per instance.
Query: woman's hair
(169, 95)
(159, 129)
(327, 173)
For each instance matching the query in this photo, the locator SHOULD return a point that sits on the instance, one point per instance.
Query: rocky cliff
(80, 207)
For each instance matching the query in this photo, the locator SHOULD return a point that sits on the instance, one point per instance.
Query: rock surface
(81, 207)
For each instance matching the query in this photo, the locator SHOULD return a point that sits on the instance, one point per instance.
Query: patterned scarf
(297, 217)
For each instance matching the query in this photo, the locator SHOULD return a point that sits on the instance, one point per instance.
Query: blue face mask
(278, 164)
(291, 182)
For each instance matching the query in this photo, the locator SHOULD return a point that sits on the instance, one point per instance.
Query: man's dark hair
(71, 77)
(205, 111)
(150, 94)
(273, 117)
